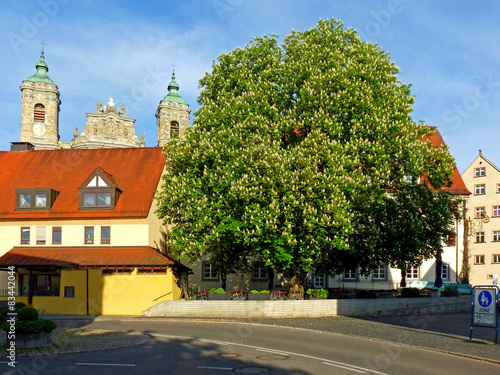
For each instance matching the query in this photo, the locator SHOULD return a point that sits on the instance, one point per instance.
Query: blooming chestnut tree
(303, 153)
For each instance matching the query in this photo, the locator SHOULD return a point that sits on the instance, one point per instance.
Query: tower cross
(173, 67)
(43, 44)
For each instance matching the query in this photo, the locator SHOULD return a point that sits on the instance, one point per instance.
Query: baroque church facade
(107, 127)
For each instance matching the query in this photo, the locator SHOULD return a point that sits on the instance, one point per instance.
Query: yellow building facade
(482, 178)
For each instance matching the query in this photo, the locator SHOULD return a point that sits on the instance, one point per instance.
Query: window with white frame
(480, 172)
(479, 237)
(445, 271)
(479, 212)
(379, 273)
(319, 281)
(480, 189)
(496, 235)
(208, 272)
(351, 275)
(412, 272)
(478, 259)
(498, 188)
(496, 210)
(495, 258)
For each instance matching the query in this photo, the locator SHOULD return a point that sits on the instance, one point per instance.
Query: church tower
(40, 109)
(172, 116)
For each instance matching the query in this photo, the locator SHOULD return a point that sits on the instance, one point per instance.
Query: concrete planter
(218, 297)
(259, 297)
(32, 340)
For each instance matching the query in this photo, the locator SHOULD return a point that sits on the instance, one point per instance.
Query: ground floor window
(319, 281)
(412, 272)
(351, 275)
(208, 272)
(259, 271)
(43, 285)
(445, 272)
(379, 273)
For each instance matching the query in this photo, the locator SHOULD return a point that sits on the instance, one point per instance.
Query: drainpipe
(87, 273)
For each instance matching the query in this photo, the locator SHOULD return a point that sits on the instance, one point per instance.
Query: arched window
(174, 129)
(39, 114)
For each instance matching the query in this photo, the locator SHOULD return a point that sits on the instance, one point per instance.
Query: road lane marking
(326, 361)
(106, 364)
(216, 368)
(344, 367)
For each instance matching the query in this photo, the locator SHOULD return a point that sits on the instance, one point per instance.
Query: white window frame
(479, 212)
(413, 273)
(351, 275)
(445, 271)
(496, 211)
(379, 273)
(495, 258)
(496, 235)
(478, 259)
(480, 237)
(480, 172)
(480, 189)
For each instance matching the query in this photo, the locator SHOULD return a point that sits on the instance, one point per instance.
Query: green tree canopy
(304, 153)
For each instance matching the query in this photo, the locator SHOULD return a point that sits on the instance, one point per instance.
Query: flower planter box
(218, 297)
(259, 297)
(32, 340)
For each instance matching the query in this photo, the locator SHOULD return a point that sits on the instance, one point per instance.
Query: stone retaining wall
(309, 308)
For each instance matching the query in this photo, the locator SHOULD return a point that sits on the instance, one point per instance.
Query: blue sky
(449, 51)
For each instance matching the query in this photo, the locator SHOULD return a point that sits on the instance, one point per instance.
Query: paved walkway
(447, 332)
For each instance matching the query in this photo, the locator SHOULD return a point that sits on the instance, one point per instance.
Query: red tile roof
(458, 185)
(87, 256)
(136, 170)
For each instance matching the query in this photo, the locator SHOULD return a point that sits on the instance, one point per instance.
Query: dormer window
(100, 191)
(35, 199)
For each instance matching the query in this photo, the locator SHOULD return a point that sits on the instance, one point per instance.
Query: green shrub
(265, 291)
(19, 305)
(450, 287)
(31, 327)
(217, 291)
(318, 293)
(27, 314)
(254, 292)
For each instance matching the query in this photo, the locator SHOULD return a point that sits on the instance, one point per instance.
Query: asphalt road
(212, 347)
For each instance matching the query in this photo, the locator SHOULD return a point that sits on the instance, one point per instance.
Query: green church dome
(173, 94)
(41, 72)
